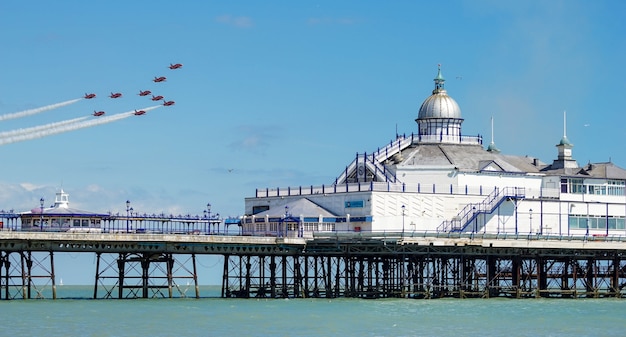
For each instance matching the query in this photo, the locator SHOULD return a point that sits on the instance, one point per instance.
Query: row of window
(577, 185)
(596, 222)
(293, 226)
(61, 222)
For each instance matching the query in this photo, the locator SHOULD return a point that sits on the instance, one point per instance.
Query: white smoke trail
(37, 110)
(71, 127)
(40, 127)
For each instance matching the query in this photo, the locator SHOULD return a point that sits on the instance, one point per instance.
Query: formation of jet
(141, 93)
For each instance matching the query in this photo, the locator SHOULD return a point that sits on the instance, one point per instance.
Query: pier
(330, 265)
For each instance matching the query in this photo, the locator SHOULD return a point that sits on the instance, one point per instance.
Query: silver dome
(439, 105)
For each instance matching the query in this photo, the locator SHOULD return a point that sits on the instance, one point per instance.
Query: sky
(278, 94)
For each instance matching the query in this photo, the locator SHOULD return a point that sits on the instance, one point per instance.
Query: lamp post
(475, 220)
(403, 208)
(286, 224)
(530, 218)
(41, 201)
(127, 213)
(208, 212)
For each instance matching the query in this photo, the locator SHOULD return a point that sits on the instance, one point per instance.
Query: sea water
(74, 314)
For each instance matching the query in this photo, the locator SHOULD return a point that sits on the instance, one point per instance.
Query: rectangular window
(259, 209)
(563, 185)
(76, 223)
(615, 187)
(576, 186)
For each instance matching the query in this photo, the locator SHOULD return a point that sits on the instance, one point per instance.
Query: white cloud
(235, 21)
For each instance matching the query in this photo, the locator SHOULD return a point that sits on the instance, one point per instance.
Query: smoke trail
(37, 110)
(40, 127)
(71, 127)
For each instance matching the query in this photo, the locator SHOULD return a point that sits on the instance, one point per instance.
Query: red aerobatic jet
(98, 113)
(116, 95)
(157, 98)
(89, 96)
(175, 66)
(139, 113)
(168, 103)
(159, 79)
(144, 93)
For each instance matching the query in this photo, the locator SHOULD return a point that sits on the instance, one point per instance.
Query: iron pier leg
(195, 273)
(53, 278)
(170, 276)
(615, 276)
(95, 287)
(120, 269)
(145, 275)
(225, 289)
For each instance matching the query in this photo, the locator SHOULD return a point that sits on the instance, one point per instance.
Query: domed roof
(439, 104)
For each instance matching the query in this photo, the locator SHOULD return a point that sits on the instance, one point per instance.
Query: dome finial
(439, 80)
(492, 147)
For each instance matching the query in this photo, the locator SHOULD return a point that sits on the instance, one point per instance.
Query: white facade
(441, 180)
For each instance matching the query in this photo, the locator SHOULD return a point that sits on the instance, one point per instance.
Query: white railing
(478, 140)
(379, 187)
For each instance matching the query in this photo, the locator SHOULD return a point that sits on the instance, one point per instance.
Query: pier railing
(393, 187)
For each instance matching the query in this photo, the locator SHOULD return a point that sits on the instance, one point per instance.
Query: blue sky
(277, 93)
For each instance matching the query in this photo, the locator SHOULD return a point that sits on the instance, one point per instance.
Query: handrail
(471, 211)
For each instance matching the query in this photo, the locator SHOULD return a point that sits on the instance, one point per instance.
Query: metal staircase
(374, 162)
(471, 211)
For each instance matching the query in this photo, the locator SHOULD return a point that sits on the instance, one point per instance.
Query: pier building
(440, 180)
(60, 217)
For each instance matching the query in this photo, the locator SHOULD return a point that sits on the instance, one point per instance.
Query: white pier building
(440, 180)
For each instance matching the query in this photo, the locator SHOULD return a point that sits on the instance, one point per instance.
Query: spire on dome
(439, 80)
(564, 140)
(492, 147)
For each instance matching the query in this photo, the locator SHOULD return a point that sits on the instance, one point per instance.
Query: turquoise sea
(74, 314)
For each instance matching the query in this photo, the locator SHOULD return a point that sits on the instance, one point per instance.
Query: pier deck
(364, 265)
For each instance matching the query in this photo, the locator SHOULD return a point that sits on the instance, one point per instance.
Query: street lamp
(530, 218)
(127, 213)
(286, 224)
(475, 219)
(208, 210)
(403, 208)
(41, 201)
